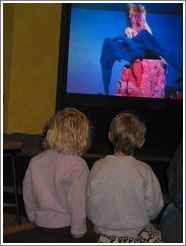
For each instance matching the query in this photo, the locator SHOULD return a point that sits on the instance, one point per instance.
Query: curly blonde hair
(69, 132)
(127, 132)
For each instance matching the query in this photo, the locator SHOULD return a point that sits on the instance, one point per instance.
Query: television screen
(128, 50)
(118, 56)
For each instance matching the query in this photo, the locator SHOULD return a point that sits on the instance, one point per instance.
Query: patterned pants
(145, 236)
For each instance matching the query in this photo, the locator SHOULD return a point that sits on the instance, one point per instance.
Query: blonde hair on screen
(69, 132)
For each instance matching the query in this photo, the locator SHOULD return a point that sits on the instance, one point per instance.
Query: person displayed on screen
(137, 19)
(123, 193)
(55, 181)
(137, 43)
(171, 222)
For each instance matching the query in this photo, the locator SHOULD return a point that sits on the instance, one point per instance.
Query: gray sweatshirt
(54, 190)
(123, 194)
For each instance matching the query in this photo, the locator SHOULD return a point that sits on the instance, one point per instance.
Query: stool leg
(18, 218)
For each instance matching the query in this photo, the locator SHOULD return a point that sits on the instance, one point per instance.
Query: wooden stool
(13, 147)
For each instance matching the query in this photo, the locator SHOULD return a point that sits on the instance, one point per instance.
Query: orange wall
(31, 34)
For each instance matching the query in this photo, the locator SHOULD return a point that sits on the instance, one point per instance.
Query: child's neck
(120, 154)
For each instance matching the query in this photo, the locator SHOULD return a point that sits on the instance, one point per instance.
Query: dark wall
(164, 125)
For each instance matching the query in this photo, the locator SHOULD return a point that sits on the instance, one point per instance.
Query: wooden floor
(17, 228)
(9, 220)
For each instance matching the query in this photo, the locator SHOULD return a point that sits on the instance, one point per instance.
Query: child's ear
(109, 136)
(142, 143)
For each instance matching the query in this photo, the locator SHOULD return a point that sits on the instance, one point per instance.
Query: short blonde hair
(127, 132)
(69, 132)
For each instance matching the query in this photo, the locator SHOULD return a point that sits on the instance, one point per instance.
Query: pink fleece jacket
(54, 189)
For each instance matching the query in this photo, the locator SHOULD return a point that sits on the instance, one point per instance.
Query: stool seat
(12, 145)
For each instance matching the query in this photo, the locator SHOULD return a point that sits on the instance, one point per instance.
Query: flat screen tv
(124, 56)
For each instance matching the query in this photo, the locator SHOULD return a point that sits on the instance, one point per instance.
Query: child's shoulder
(38, 157)
(73, 161)
(142, 167)
(80, 161)
(102, 161)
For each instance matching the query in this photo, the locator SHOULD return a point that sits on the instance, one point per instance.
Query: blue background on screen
(89, 28)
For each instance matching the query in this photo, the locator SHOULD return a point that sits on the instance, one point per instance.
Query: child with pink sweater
(55, 182)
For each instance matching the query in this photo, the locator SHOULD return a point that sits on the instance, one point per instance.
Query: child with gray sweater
(123, 194)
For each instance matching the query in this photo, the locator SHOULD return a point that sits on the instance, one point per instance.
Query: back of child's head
(127, 133)
(69, 132)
